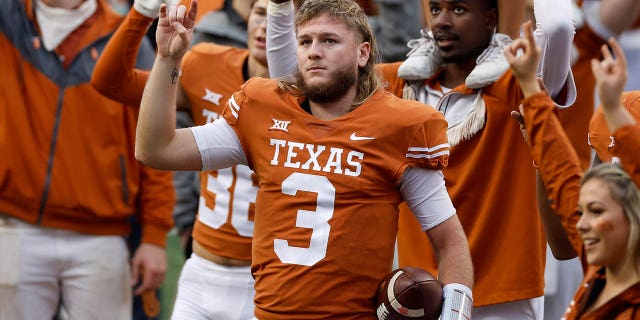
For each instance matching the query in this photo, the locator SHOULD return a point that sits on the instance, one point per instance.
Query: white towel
(57, 23)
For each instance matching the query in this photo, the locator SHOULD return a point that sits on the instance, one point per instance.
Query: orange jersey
(627, 147)
(559, 163)
(624, 306)
(66, 158)
(326, 210)
(562, 174)
(604, 143)
(600, 137)
(575, 120)
(210, 75)
(491, 181)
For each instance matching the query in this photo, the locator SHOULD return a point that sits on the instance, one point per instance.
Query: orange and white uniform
(326, 210)
(210, 74)
(224, 224)
(627, 147)
(561, 172)
(606, 144)
(600, 138)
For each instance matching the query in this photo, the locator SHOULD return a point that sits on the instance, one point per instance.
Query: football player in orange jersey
(216, 280)
(491, 167)
(334, 156)
(600, 212)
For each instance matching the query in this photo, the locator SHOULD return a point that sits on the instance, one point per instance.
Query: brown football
(409, 293)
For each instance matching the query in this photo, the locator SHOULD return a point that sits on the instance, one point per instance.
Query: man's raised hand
(175, 30)
(610, 74)
(525, 66)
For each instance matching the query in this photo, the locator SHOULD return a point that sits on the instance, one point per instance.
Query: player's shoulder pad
(213, 49)
(631, 99)
(413, 110)
(259, 88)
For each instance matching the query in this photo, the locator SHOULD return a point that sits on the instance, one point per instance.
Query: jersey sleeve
(115, 75)
(429, 147)
(157, 199)
(231, 112)
(558, 162)
(389, 74)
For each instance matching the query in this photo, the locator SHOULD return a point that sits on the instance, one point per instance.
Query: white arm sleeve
(281, 39)
(554, 34)
(425, 193)
(219, 145)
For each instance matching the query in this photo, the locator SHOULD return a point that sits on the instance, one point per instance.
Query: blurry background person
(70, 181)
(604, 230)
(215, 281)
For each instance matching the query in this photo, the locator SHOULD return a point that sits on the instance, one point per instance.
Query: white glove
(458, 302)
(148, 8)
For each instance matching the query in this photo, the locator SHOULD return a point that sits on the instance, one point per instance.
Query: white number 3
(317, 220)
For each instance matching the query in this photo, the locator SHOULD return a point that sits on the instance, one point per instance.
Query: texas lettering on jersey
(339, 161)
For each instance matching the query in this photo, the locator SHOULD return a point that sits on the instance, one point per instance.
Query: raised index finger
(618, 52)
(163, 15)
(528, 33)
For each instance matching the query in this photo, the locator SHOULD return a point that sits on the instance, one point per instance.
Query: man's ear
(492, 19)
(364, 51)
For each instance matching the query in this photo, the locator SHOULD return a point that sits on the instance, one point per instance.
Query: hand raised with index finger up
(175, 30)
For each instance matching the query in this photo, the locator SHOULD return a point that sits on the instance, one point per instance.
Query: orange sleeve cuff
(539, 100)
(156, 235)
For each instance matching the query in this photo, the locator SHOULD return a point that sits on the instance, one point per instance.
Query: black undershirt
(306, 106)
(245, 69)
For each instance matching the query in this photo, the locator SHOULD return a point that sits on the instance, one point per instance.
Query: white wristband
(280, 9)
(458, 302)
(148, 8)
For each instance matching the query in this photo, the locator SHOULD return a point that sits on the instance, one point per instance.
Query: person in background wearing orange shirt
(70, 182)
(605, 228)
(215, 281)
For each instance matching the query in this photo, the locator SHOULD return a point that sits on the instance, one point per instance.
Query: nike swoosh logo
(354, 137)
